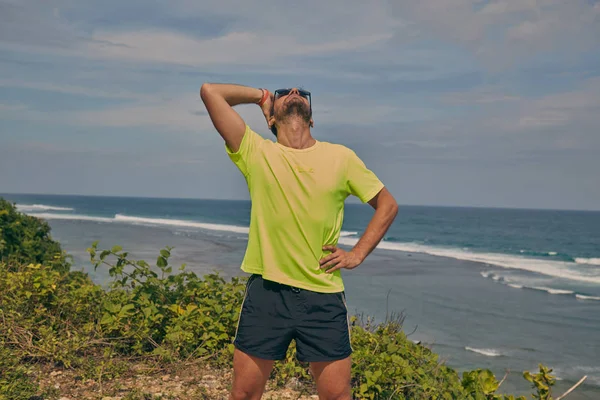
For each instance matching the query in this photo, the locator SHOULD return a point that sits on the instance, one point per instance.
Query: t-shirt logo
(305, 170)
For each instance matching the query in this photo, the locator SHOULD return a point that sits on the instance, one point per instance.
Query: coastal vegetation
(53, 318)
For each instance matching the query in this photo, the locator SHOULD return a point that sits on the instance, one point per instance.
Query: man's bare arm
(219, 99)
(386, 209)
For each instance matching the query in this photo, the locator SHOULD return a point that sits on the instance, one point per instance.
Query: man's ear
(271, 121)
(311, 123)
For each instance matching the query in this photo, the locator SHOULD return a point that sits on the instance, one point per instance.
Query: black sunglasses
(284, 92)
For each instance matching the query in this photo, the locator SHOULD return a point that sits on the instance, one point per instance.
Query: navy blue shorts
(274, 314)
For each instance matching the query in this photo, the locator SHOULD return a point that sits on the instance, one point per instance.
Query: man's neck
(295, 133)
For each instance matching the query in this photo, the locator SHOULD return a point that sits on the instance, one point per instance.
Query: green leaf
(106, 319)
(165, 253)
(161, 262)
(116, 249)
(127, 307)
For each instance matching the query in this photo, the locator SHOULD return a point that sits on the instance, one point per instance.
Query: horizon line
(352, 202)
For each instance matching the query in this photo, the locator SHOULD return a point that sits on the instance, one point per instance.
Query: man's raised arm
(219, 99)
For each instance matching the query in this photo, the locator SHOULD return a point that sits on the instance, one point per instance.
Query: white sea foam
(552, 253)
(181, 223)
(543, 289)
(485, 352)
(558, 269)
(583, 297)
(512, 285)
(550, 290)
(348, 233)
(590, 261)
(75, 217)
(41, 207)
(144, 221)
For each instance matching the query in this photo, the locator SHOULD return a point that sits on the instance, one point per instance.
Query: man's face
(292, 104)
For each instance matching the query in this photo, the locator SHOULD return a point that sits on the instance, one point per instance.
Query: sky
(454, 102)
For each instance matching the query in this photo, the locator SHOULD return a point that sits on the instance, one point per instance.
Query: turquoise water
(495, 288)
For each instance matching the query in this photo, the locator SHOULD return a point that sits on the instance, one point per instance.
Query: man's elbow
(393, 207)
(205, 91)
(391, 204)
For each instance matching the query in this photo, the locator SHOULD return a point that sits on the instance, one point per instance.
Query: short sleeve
(247, 153)
(361, 181)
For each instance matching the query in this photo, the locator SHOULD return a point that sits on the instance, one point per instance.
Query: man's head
(289, 104)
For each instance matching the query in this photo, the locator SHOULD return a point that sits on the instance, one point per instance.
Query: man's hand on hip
(339, 259)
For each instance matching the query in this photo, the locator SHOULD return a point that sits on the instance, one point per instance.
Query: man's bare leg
(333, 379)
(250, 375)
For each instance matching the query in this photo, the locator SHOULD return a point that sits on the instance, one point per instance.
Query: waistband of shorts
(281, 285)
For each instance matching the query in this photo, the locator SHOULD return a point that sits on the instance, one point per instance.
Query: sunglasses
(284, 92)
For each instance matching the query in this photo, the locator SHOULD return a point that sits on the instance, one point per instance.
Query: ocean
(503, 289)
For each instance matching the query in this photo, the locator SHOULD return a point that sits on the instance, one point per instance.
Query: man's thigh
(333, 378)
(250, 375)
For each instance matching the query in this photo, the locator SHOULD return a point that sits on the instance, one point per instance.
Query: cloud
(180, 114)
(480, 95)
(505, 113)
(15, 107)
(256, 35)
(239, 47)
(580, 107)
(503, 33)
(72, 89)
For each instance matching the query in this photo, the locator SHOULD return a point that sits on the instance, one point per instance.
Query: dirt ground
(143, 382)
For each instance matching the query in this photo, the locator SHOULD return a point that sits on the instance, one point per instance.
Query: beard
(296, 108)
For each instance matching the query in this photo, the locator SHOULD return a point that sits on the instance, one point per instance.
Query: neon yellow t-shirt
(298, 207)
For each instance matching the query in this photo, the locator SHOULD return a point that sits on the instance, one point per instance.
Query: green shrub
(171, 316)
(47, 315)
(541, 382)
(388, 365)
(15, 382)
(25, 239)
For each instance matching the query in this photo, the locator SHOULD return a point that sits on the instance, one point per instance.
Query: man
(297, 186)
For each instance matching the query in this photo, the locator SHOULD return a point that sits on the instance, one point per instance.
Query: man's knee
(341, 394)
(335, 391)
(247, 389)
(245, 393)
(250, 376)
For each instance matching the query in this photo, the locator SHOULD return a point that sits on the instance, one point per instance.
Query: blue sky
(470, 103)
